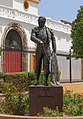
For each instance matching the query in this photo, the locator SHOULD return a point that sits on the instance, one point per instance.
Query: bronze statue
(46, 50)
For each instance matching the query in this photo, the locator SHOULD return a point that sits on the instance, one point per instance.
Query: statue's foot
(45, 84)
(55, 84)
(52, 84)
(36, 82)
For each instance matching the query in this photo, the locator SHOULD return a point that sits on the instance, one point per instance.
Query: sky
(60, 9)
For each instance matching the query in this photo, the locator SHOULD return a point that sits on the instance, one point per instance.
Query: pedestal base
(45, 96)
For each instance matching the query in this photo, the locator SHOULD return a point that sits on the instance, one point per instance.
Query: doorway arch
(14, 41)
(13, 52)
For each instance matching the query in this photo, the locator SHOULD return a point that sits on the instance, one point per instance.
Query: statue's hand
(41, 42)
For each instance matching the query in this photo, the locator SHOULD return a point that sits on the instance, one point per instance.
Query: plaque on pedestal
(45, 96)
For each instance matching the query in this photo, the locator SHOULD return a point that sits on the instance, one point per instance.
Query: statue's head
(41, 21)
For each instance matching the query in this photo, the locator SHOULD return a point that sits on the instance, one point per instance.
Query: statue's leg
(46, 69)
(38, 67)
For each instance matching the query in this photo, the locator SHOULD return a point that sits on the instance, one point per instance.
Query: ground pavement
(75, 87)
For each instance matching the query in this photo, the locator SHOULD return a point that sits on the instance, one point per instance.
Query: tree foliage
(77, 34)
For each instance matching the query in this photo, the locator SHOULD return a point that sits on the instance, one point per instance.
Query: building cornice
(16, 15)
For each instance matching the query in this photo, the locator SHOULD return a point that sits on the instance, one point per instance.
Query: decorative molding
(25, 17)
(58, 26)
(14, 14)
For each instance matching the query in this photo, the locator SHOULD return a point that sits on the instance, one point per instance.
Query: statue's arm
(53, 42)
(34, 37)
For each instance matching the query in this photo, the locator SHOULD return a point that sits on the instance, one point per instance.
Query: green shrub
(1, 79)
(14, 88)
(73, 104)
(1, 75)
(16, 102)
(21, 80)
(47, 112)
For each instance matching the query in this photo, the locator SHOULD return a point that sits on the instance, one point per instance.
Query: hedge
(22, 79)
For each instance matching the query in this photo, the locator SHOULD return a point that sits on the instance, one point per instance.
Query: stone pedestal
(45, 96)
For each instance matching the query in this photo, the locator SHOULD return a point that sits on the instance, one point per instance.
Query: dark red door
(12, 57)
(12, 61)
